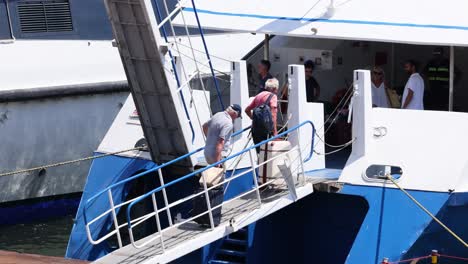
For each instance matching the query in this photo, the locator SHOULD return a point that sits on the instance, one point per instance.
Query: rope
(345, 145)
(427, 211)
(409, 260)
(341, 105)
(202, 52)
(334, 146)
(453, 257)
(426, 257)
(69, 162)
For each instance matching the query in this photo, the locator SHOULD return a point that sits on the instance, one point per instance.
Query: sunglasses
(377, 73)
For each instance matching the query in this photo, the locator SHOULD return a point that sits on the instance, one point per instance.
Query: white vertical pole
(114, 217)
(208, 203)
(452, 66)
(297, 99)
(254, 173)
(166, 201)
(362, 108)
(239, 92)
(158, 223)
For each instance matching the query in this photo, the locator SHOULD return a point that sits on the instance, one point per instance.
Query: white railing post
(208, 203)
(114, 216)
(158, 223)
(166, 203)
(299, 111)
(302, 179)
(254, 173)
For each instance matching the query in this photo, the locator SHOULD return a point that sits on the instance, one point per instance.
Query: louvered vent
(45, 16)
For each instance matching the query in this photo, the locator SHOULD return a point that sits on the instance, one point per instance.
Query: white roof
(405, 21)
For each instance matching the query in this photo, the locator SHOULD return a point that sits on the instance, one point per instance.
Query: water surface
(45, 238)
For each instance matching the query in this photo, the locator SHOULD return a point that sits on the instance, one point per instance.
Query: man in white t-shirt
(414, 89)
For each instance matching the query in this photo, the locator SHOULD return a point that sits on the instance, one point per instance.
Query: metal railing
(132, 223)
(109, 189)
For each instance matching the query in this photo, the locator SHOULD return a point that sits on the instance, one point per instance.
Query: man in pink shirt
(271, 87)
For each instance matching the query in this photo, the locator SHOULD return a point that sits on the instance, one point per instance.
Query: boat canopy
(431, 22)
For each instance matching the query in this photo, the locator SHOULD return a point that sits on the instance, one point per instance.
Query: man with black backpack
(262, 110)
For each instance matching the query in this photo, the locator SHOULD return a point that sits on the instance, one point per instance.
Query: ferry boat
(57, 100)
(62, 84)
(401, 191)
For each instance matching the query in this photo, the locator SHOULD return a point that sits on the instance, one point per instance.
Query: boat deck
(9, 257)
(185, 238)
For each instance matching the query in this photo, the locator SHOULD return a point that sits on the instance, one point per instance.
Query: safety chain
(70, 161)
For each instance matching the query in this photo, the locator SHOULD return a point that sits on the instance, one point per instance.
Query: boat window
(381, 171)
(45, 16)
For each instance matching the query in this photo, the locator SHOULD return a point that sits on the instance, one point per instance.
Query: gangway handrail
(161, 166)
(197, 172)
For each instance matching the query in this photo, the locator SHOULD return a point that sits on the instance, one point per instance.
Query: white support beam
(299, 110)
(361, 107)
(239, 92)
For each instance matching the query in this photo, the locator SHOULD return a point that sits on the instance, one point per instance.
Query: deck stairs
(233, 249)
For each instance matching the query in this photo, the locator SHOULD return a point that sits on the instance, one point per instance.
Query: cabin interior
(336, 59)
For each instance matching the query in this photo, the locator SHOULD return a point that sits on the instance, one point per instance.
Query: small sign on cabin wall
(283, 56)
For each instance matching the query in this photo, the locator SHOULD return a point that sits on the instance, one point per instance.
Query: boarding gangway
(158, 85)
(170, 239)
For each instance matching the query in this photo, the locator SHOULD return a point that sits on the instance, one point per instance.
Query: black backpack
(262, 119)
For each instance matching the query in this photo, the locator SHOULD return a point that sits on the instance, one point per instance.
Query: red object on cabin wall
(380, 58)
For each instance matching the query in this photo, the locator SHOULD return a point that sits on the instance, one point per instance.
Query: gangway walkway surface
(191, 236)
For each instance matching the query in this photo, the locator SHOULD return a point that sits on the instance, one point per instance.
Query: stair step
(236, 241)
(231, 252)
(240, 234)
(215, 261)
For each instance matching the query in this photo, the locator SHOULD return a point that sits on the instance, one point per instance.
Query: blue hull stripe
(325, 20)
(39, 209)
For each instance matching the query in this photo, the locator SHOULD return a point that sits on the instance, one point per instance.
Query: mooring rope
(427, 211)
(70, 161)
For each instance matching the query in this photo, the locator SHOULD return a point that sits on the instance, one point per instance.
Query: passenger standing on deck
(260, 130)
(312, 86)
(264, 74)
(437, 72)
(218, 131)
(379, 93)
(414, 89)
